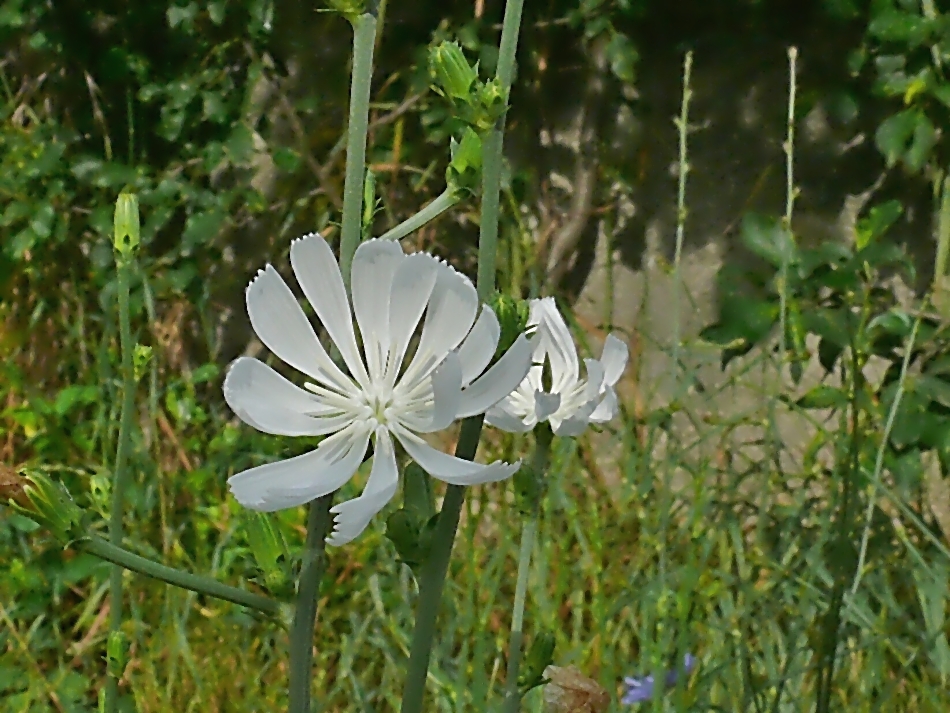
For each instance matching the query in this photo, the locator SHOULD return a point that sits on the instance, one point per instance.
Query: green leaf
(925, 138)
(240, 145)
(72, 396)
(179, 15)
(216, 11)
(286, 159)
(878, 220)
(769, 240)
(936, 389)
(623, 58)
(911, 29)
(42, 223)
(822, 396)
(201, 228)
(893, 134)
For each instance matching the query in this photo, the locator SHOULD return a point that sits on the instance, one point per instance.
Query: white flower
(381, 397)
(571, 403)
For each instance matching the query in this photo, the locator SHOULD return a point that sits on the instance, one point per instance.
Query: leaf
(216, 11)
(878, 220)
(240, 145)
(925, 138)
(768, 239)
(936, 389)
(42, 223)
(911, 29)
(178, 15)
(201, 228)
(623, 58)
(893, 134)
(822, 396)
(77, 395)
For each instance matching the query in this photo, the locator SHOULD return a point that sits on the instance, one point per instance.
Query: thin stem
(789, 190)
(492, 145)
(432, 579)
(446, 200)
(123, 559)
(305, 612)
(318, 515)
(364, 38)
(529, 533)
(120, 477)
(682, 125)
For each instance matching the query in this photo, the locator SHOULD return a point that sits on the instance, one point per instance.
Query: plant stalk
(318, 515)
(123, 559)
(446, 200)
(120, 476)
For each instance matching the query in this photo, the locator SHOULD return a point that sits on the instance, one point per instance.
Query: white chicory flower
(571, 403)
(381, 398)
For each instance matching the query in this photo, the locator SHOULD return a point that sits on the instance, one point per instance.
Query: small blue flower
(641, 689)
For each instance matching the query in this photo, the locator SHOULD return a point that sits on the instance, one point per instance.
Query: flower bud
(127, 233)
(51, 506)
(270, 552)
(492, 103)
(512, 314)
(465, 169)
(117, 654)
(453, 75)
(350, 9)
(141, 356)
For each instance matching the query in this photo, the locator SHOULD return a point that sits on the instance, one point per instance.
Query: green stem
(123, 559)
(529, 533)
(120, 477)
(446, 200)
(364, 38)
(305, 612)
(492, 145)
(318, 517)
(432, 578)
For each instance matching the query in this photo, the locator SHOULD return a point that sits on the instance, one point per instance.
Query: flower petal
(320, 279)
(374, 265)
(499, 381)
(449, 318)
(446, 394)
(450, 469)
(354, 515)
(501, 417)
(295, 481)
(556, 342)
(479, 346)
(282, 326)
(545, 404)
(606, 409)
(411, 289)
(265, 400)
(614, 358)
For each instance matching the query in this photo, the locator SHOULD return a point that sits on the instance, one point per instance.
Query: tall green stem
(529, 533)
(120, 477)
(492, 145)
(318, 516)
(305, 611)
(123, 559)
(364, 38)
(432, 579)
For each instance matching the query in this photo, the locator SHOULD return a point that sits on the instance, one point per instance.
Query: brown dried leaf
(570, 691)
(11, 486)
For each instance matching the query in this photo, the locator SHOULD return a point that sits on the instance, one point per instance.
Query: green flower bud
(127, 233)
(117, 654)
(465, 169)
(492, 104)
(51, 506)
(350, 9)
(141, 357)
(513, 314)
(540, 656)
(270, 552)
(453, 75)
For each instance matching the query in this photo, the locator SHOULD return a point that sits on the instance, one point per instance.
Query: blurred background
(226, 118)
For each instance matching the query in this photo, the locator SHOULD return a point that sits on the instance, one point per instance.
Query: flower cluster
(388, 392)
